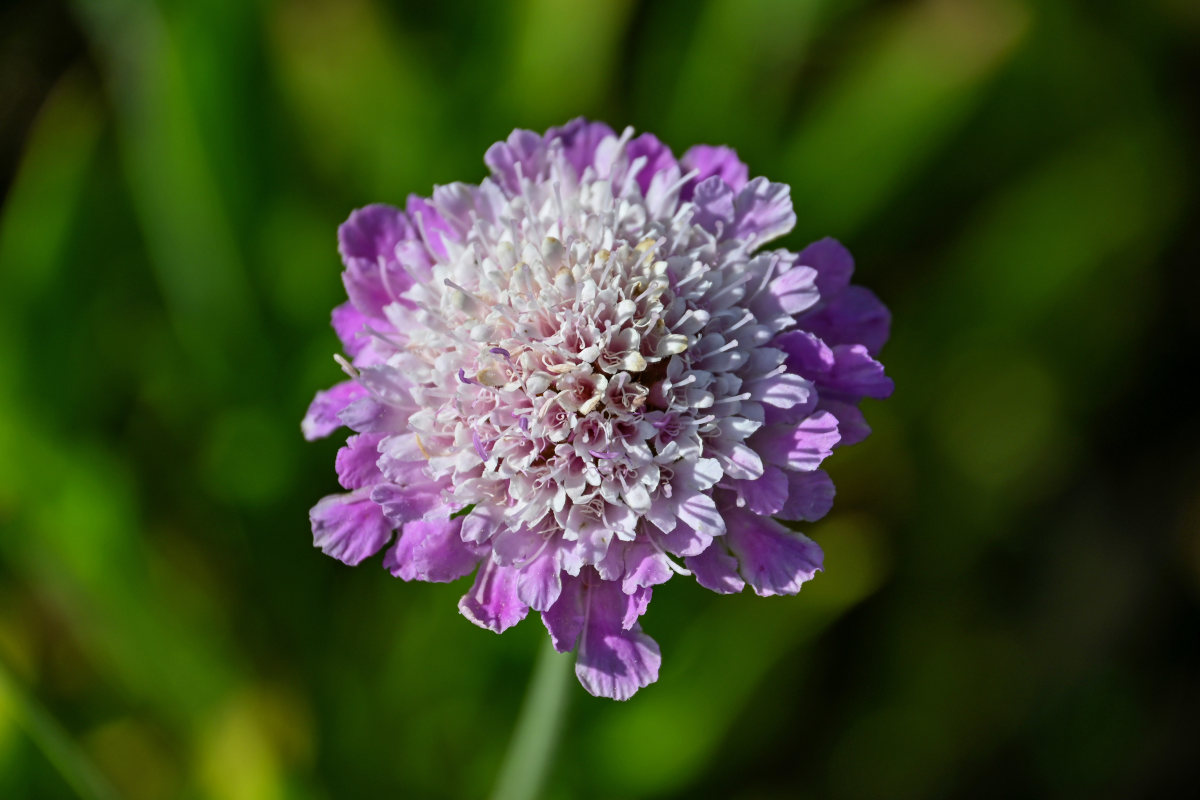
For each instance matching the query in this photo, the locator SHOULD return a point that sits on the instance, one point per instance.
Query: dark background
(1010, 602)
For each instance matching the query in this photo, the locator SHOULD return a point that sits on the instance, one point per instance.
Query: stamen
(668, 385)
(741, 280)
(537, 553)
(737, 398)
(676, 568)
(346, 366)
(423, 233)
(421, 446)
(747, 317)
(386, 337)
(679, 184)
(478, 442)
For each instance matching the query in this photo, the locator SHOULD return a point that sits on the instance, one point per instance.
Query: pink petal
(349, 527)
(855, 316)
(539, 583)
(714, 205)
(766, 495)
(658, 157)
(579, 140)
(807, 355)
(645, 566)
(322, 418)
(356, 462)
(367, 242)
(722, 162)
(699, 512)
(431, 226)
(348, 323)
(763, 211)
(855, 374)
(833, 263)
(615, 658)
(800, 447)
(795, 290)
(772, 559)
(716, 570)
(431, 550)
(403, 504)
(809, 496)
(492, 602)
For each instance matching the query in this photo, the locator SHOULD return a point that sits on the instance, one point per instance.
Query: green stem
(53, 741)
(531, 750)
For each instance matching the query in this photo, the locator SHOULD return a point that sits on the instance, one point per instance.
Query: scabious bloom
(585, 375)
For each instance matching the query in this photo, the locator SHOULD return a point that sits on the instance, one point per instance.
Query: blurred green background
(1011, 606)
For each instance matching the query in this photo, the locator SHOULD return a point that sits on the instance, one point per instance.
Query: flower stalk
(535, 736)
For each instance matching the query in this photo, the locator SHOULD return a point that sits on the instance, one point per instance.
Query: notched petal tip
(492, 602)
(771, 558)
(349, 527)
(615, 665)
(431, 550)
(323, 417)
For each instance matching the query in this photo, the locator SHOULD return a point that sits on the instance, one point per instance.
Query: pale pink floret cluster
(583, 376)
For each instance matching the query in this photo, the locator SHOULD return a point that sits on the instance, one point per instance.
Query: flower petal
(738, 460)
(356, 462)
(855, 316)
(348, 324)
(722, 162)
(579, 139)
(763, 211)
(645, 566)
(482, 523)
(564, 619)
(349, 527)
(367, 242)
(368, 415)
(658, 157)
(431, 226)
(615, 658)
(522, 147)
(431, 550)
(713, 198)
(767, 494)
(683, 540)
(772, 559)
(699, 512)
(786, 397)
(852, 425)
(539, 583)
(799, 447)
(795, 290)
(806, 354)
(855, 374)
(614, 663)
(403, 504)
(809, 495)
(716, 570)
(372, 232)
(833, 263)
(493, 602)
(322, 418)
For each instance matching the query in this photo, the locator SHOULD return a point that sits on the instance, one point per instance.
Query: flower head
(585, 375)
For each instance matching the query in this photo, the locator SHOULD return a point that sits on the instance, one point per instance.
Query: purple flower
(585, 375)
